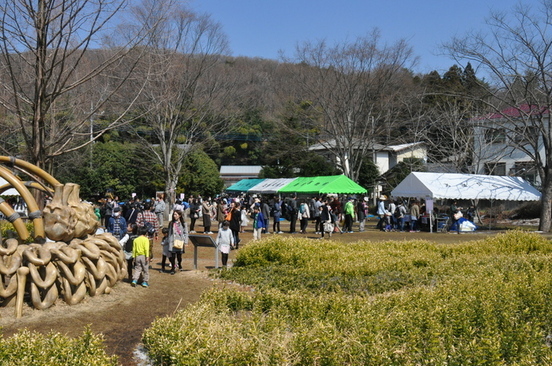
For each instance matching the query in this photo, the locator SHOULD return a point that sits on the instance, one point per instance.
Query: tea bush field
(31, 348)
(311, 302)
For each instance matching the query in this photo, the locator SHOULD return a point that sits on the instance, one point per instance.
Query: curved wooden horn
(13, 263)
(28, 184)
(34, 211)
(50, 275)
(73, 294)
(8, 247)
(37, 255)
(15, 219)
(51, 294)
(10, 288)
(26, 166)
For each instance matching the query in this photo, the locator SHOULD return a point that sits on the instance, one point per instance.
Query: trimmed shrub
(53, 349)
(396, 303)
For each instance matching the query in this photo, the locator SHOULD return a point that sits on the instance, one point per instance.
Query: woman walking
(178, 238)
(206, 211)
(235, 222)
(277, 214)
(194, 214)
(304, 216)
(327, 218)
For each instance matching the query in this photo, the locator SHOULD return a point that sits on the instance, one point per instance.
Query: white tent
(466, 186)
(8, 192)
(268, 186)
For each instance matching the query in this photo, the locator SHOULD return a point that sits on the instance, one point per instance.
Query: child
(225, 240)
(258, 222)
(244, 219)
(166, 252)
(141, 255)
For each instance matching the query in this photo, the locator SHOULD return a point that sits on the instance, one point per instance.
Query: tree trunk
(170, 191)
(546, 201)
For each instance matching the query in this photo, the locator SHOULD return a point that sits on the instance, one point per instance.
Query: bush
(7, 230)
(397, 303)
(31, 348)
(527, 211)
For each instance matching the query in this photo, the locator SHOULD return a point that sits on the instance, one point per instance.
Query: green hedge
(31, 348)
(396, 303)
(7, 230)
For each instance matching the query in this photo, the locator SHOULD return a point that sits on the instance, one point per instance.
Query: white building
(385, 156)
(498, 138)
(231, 174)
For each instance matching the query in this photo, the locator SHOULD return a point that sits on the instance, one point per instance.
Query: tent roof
(270, 185)
(339, 184)
(466, 186)
(8, 192)
(244, 185)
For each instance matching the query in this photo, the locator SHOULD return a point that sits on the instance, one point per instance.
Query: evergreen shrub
(32, 348)
(396, 303)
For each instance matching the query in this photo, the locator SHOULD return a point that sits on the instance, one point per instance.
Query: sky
(262, 28)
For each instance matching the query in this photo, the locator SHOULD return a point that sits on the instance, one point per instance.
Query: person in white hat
(381, 212)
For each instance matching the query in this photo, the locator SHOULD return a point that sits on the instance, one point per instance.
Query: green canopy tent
(244, 185)
(337, 184)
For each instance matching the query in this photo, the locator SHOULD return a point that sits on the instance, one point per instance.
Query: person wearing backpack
(147, 218)
(140, 252)
(127, 244)
(303, 216)
(148, 221)
(400, 215)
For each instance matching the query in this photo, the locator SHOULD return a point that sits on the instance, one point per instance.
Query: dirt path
(123, 315)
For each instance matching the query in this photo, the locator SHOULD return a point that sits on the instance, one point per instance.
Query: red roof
(524, 109)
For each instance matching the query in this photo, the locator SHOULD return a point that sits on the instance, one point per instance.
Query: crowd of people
(143, 222)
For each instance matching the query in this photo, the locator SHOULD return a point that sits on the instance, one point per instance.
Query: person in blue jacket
(117, 224)
(258, 222)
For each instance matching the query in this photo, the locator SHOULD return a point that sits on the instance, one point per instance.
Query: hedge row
(396, 303)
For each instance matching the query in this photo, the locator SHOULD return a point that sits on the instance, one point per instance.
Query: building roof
(240, 169)
(395, 148)
(244, 185)
(515, 112)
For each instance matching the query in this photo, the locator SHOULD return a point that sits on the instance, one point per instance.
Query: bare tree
(186, 87)
(516, 54)
(51, 64)
(354, 86)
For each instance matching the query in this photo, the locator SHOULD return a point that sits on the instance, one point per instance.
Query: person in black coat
(235, 222)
